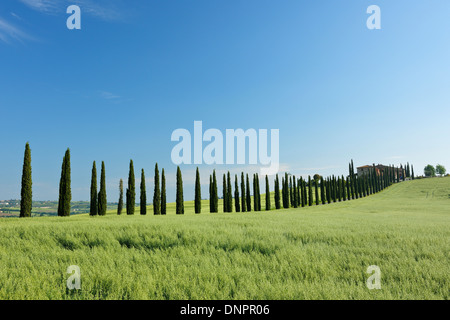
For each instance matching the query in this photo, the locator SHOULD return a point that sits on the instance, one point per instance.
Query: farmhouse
(380, 168)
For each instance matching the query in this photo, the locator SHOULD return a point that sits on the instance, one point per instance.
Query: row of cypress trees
(294, 192)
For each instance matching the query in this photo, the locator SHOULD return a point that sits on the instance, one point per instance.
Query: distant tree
(225, 193)
(277, 193)
(255, 196)
(198, 193)
(237, 204)
(412, 172)
(294, 192)
(93, 204)
(316, 185)
(243, 200)
(229, 194)
(215, 193)
(156, 193)
(429, 171)
(120, 205)
(131, 190)
(344, 194)
(247, 194)
(310, 193)
(26, 189)
(210, 194)
(180, 198)
(163, 193)
(317, 177)
(65, 191)
(102, 203)
(291, 192)
(258, 192)
(322, 191)
(267, 193)
(143, 201)
(440, 169)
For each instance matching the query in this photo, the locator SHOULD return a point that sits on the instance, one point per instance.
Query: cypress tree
(143, 201)
(412, 172)
(156, 193)
(283, 192)
(347, 182)
(215, 193)
(225, 193)
(316, 184)
(163, 193)
(258, 192)
(210, 194)
(243, 203)
(180, 199)
(198, 194)
(237, 203)
(299, 198)
(329, 190)
(102, 203)
(65, 192)
(26, 198)
(294, 192)
(322, 191)
(267, 194)
(229, 193)
(344, 194)
(291, 191)
(255, 196)
(120, 205)
(310, 193)
(131, 190)
(93, 205)
(277, 193)
(249, 199)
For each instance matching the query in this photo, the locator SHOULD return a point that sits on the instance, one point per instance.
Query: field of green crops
(319, 252)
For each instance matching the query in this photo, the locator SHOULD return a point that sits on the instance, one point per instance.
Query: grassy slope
(306, 253)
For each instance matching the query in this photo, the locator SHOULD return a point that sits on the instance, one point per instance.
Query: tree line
(289, 192)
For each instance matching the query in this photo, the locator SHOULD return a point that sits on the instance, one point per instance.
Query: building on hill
(380, 168)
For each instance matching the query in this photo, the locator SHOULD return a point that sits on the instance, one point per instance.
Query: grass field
(306, 253)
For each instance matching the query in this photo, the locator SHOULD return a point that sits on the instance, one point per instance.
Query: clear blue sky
(137, 70)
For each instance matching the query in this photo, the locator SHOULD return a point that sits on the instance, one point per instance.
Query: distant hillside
(11, 208)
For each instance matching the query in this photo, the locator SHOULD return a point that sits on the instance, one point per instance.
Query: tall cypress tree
(316, 185)
(210, 194)
(225, 193)
(215, 193)
(120, 205)
(237, 204)
(180, 198)
(291, 192)
(277, 193)
(243, 200)
(255, 197)
(131, 190)
(294, 192)
(229, 194)
(93, 205)
(412, 172)
(344, 194)
(310, 193)
(26, 197)
(247, 194)
(102, 203)
(65, 191)
(198, 193)
(163, 193)
(143, 202)
(322, 191)
(267, 194)
(156, 193)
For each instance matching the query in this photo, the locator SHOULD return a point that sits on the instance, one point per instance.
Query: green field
(306, 253)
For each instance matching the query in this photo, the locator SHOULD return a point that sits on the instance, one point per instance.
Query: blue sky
(137, 70)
